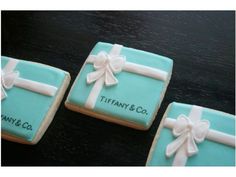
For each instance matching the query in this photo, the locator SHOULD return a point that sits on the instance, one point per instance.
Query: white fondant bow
(7, 81)
(188, 132)
(106, 66)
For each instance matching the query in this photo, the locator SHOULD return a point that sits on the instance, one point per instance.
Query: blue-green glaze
(25, 105)
(210, 153)
(131, 89)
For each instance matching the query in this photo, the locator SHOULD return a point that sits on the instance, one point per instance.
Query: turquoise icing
(132, 88)
(27, 106)
(210, 153)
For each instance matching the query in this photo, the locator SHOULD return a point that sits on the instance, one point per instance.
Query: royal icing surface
(25, 105)
(122, 82)
(194, 136)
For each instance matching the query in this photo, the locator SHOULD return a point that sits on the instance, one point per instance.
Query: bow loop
(117, 63)
(200, 130)
(106, 66)
(9, 78)
(101, 60)
(180, 125)
(7, 81)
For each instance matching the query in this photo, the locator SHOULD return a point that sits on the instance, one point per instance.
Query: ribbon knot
(106, 66)
(7, 81)
(188, 133)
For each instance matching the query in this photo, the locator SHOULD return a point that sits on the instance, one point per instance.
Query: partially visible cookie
(30, 96)
(192, 135)
(121, 85)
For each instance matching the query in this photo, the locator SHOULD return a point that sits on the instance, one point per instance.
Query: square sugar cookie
(121, 85)
(30, 95)
(191, 135)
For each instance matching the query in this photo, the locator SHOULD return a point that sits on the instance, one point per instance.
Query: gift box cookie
(30, 95)
(121, 85)
(191, 135)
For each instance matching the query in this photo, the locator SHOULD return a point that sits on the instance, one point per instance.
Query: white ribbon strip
(10, 78)
(190, 130)
(106, 65)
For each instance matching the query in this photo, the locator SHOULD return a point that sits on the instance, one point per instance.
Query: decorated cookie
(30, 95)
(121, 85)
(194, 136)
